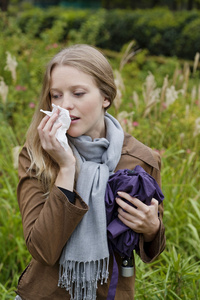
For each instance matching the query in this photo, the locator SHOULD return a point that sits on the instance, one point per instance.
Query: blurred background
(109, 4)
(154, 49)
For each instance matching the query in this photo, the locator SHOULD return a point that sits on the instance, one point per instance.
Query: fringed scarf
(85, 257)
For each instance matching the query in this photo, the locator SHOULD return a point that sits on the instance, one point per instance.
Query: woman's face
(77, 92)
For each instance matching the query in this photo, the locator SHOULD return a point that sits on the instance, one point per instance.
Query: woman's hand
(142, 219)
(47, 130)
(65, 159)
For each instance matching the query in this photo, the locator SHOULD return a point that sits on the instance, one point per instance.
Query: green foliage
(13, 253)
(161, 31)
(38, 23)
(31, 22)
(93, 31)
(189, 41)
(120, 25)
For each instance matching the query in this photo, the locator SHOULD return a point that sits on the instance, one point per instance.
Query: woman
(61, 193)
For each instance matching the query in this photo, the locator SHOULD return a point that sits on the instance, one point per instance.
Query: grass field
(159, 103)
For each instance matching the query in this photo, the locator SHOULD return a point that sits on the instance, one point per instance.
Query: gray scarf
(85, 257)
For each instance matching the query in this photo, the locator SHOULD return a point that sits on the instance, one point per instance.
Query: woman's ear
(106, 103)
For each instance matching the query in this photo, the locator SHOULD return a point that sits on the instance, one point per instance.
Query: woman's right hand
(65, 159)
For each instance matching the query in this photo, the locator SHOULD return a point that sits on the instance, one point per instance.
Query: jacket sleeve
(48, 221)
(151, 250)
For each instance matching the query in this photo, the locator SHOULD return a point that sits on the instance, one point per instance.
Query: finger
(127, 207)
(124, 214)
(47, 132)
(129, 223)
(139, 204)
(50, 123)
(40, 129)
(54, 129)
(154, 202)
(43, 122)
(49, 140)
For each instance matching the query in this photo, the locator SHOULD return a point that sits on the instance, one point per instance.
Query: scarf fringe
(80, 278)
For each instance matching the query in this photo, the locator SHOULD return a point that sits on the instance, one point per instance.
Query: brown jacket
(48, 224)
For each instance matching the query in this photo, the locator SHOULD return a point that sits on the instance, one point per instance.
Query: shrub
(159, 30)
(119, 24)
(188, 44)
(93, 31)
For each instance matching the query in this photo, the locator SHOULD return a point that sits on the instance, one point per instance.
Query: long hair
(86, 59)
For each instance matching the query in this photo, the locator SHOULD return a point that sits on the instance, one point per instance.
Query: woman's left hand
(142, 219)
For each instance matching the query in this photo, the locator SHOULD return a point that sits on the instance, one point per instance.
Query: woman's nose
(68, 103)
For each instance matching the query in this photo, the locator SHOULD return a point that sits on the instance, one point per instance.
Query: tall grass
(159, 103)
(13, 253)
(176, 274)
(167, 120)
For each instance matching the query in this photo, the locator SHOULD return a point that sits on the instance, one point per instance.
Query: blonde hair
(86, 59)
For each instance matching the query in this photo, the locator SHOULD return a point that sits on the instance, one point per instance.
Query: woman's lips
(74, 119)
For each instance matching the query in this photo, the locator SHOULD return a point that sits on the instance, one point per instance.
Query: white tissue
(65, 120)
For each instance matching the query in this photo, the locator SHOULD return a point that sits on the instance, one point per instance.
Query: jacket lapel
(133, 147)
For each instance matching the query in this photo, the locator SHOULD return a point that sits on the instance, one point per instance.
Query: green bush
(31, 22)
(120, 25)
(189, 42)
(36, 21)
(159, 30)
(93, 31)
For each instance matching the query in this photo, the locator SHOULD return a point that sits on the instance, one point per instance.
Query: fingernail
(119, 193)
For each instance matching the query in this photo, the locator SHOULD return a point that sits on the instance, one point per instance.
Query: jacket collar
(137, 149)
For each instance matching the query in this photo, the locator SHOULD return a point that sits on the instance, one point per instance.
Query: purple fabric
(114, 278)
(139, 184)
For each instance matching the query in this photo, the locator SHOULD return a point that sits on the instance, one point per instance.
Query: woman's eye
(55, 96)
(79, 94)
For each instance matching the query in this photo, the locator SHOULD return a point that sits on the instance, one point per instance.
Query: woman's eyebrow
(73, 86)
